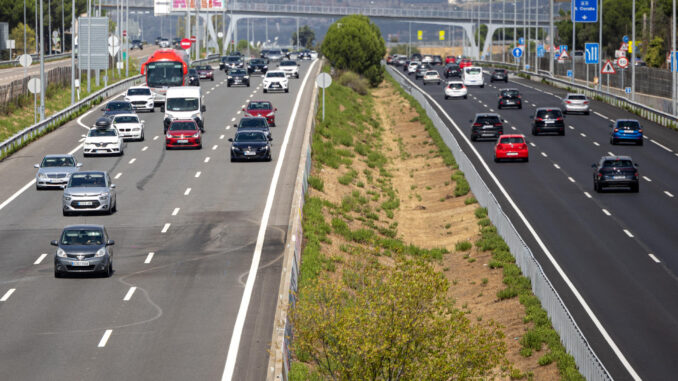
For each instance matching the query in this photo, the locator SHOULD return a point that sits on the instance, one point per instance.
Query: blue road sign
(562, 48)
(527, 67)
(592, 55)
(569, 73)
(584, 11)
(674, 59)
(540, 51)
(521, 41)
(627, 90)
(517, 52)
(625, 39)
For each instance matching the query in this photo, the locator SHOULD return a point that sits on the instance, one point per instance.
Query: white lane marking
(165, 228)
(628, 233)
(7, 294)
(17, 194)
(532, 144)
(607, 212)
(238, 112)
(132, 161)
(661, 145)
(534, 105)
(208, 92)
(233, 120)
(156, 137)
(118, 175)
(214, 147)
(40, 258)
(610, 153)
(188, 190)
(104, 338)
(583, 135)
(537, 238)
(243, 106)
(145, 148)
(571, 179)
(129, 294)
(668, 193)
(654, 258)
(596, 144)
(81, 140)
(228, 127)
(647, 179)
(234, 345)
(571, 127)
(149, 257)
(513, 128)
(79, 120)
(212, 89)
(491, 110)
(556, 165)
(587, 194)
(484, 105)
(207, 159)
(221, 137)
(176, 211)
(546, 92)
(646, 137)
(601, 115)
(251, 95)
(197, 174)
(544, 154)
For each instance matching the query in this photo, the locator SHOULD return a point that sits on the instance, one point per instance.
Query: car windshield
(232, 59)
(237, 72)
(131, 92)
(182, 104)
(85, 236)
(87, 180)
(628, 125)
(63, 161)
(510, 93)
(257, 62)
(288, 63)
(259, 106)
(455, 86)
(192, 72)
(161, 74)
(431, 73)
(252, 122)
(549, 114)
(512, 139)
(577, 97)
(204, 67)
(617, 163)
(126, 119)
(99, 132)
(183, 126)
(272, 74)
(250, 136)
(118, 106)
(500, 71)
(275, 52)
(487, 120)
(474, 71)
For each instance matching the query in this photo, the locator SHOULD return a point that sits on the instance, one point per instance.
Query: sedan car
(575, 103)
(499, 75)
(254, 123)
(275, 55)
(89, 191)
(237, 77)
(193, 77)
(511, 147)
(452, 70)
(276, 80)
(626, 131)
(83, 249)
(431, 76)
(129, 126)
(615, 172)
(184, 134)
(450, 59)
(231, 62)
(257, 65)
(141, 98)
(456, 89)
(486, 126)
(547, 119)
(205, 72)
(291, 68)
(421, 70)
(509, 98)
(261, 108)
(55, 171)
(117, 107)
(437, 60)
(250, 145)
(103, 139)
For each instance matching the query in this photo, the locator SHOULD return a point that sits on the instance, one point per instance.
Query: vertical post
(127, 42)
(529, 32)
(489, 24)
(600, 44)
(89, 45)
(63, 31)
(409, 46)
(323, 104)
(42, 65)
(25, 52)
(72, 51)
(503, 31)
(536, 38)
(49, 26)
(515, 23)
(574, 41)
(551, 52)
(197, 30)
(527, 43)
(37, 39)
(674, 69)
(633, 56)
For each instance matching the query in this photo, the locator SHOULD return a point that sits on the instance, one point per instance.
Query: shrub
(354, 82)
(463, 246)
(316, 183)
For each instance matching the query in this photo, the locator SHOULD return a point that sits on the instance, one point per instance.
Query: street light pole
(89, 45)
(574, 37)
(600, 44)
(633, 55)
(551, 39)
(42, 66)
(72, 51)
(503, 31)
(127, 41)
(515, 23)
(674, 70)
(49, 26)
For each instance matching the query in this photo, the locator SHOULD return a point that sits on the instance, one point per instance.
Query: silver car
(83, 249)
(575, 103)
(55, 171)
(89, 191)
(275, 55)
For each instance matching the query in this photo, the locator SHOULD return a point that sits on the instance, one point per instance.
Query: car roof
(92, 172)
(568, 94)
(487, 114)
(139, 87)
(547, 108)
(59, 155)
(512, 136)
(618, 157)
(84, 226)
(627, 120)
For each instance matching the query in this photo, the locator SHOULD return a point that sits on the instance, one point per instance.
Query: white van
(473, 76)
(185, 102)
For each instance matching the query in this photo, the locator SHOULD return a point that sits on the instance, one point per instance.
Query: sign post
(608, 69)
(323, 80)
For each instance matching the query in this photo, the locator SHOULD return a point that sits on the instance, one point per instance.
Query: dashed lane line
(7, 294)
(668, 194)
(221, 137)
(571, 179)
(118, 175)
(601, 115)
(197, 174)
(104, 338)
(654, 258)
(40, 258)
(628, 233)
(176, 211)
(661, 145)
(145, 148)
(214, 147)
(544, 154)
(165, 228)
(187, 192)
(149, 257)
(587, 194)
(556, 166)
(647, 179)
(132, 161)
(207, 159)
(607, 212)
(596, 144)
(583, 135)
(156, 137)
(129, 294)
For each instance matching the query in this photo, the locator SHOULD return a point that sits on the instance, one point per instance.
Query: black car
(499, 75)
(437, 60)
(83, 249)
(176, 42)
(615, 172)
(416, 57)
(117, 107)
(250, 145)
(231, 62)
(193, 77)
(486, 126)
(509, 98)
(263, 53)
(452, 70)
(258, 123)
(157, 40)
(257, 65)
(237, 77)
(136, 44)
(547, 119)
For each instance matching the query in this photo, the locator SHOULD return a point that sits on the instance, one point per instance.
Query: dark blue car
(626, 130)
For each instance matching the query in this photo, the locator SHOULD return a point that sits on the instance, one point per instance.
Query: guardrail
(36, 57)
(660, 117)
(572, 337)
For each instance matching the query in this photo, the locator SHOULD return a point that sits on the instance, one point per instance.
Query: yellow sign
(632, 44)
(441, 35)
(420, 34)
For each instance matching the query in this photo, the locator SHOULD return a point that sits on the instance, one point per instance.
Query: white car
(291, 68)
(431, 76)
(412, 67)
(141, 98)
(456, 89)
(103, 141)
(473, 76)
(314, 54)
(129, 126)
(276, 80)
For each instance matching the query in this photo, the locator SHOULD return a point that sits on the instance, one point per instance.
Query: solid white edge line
(654, 258)
(7, 294)
(628, 233)
(40, 258)
(149, 257)
(541, 243)
(104, 338)
(17, 194)
(165, 228)
(234, 345)
(129, 294)
(176, 211)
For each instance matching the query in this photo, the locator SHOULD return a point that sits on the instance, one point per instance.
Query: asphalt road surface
(185, 232)
(617, 248)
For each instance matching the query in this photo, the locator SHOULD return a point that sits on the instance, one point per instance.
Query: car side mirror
(54, 243)
(110, 242)
(203, 108)
(230, 139)
(270, 138)
(113, 186)
(79, 165)
(275, 109)
(36, 165)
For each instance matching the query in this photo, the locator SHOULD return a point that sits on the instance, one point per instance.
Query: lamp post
(673, 53)
(551, 39)
(503, 31)
(72, 51)
(600, 43)
(42, 66)
(633, 56)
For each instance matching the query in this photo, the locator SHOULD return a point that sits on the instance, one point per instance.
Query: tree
(392, 324)
(306, 37)
(17, 34)
(355, 43)
(656, 54)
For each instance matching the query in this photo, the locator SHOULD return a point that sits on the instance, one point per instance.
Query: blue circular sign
(625, 38)
(521, 41)
(517, 52)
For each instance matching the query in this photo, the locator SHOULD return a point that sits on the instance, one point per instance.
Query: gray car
(275, 55)
(89, 191)
(83, 249)
(55, 170)
(575, 103)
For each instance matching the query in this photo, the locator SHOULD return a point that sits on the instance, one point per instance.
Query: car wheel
(66, 214)
(200, 146)
(473, 138)
(109, 270)
(57, 274)
(228, 85)
(162, 108)
(635, 188)
(496, 159)
(212, 78)
(640, 142)
(586, 113)
(446, 97)
(248, 84)
(287, 90)
(153, 109)
(438, 83)
(37, 187)
(596, 187)
(499, 107)
(265, 91)
(527, 159)
(562, 132)
(520, 107)
(465, 96)
(534, 132)
(612, 141)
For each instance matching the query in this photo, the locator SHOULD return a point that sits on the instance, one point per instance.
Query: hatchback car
(183, 133)
(89, 191)
(499, 75)
(450, 59)
(237, 77)
(456, 89)
(615, 172)
(465, 63)
(486, 126)
(511, 147)
(261, 108)
(626, 130)
(437, 60)
(117, 107)
(452, 70)
(547, 119)
(83, 249)
(55, 171)
(422, 69)
(411, 68)
(431, 76)
(205, 72)
(250, 145)
(291, 68)
(254, 123)
(509, 98)
(575, 103)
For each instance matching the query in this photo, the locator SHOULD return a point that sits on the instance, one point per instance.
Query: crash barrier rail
(57, 119)
(660, 117)
(571, 336)
(36, 57)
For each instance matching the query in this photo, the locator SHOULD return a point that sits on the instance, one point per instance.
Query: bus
(165, 68)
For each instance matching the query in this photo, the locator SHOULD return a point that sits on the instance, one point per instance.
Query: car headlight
(196, 134)
(42, 176)
(234, 148)
(229, 77)
(100, 253)
(60, 253)
(103, 196)
(195, 116)
(126, 99)
(264, 148)
(265, 66)
(272, 113)
(67, 196)
(247, 77)
(168, 136)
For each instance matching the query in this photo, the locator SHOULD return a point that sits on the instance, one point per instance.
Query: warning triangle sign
(563, 55)
(624, 46)
(608, 68)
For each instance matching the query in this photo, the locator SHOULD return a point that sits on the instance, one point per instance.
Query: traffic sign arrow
(608, 68)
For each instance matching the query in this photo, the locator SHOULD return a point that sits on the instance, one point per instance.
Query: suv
(275, 80)
(615, 171)
(499, 75)
(141, 98)
(626, 130)
(509, 98)
(237, 77)
(291, 68)
(546, 119)
(486, 125)
(103, 139)
(136, 44)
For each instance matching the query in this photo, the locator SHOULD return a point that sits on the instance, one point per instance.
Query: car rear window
(628, 125)
(549, 114)
(252, 122)
(512, 139)
(487, 120)
(617, 163)
(577, 97)
(431, 73)
(455, 86)
(502, 71)
(474, 71)
(510, 93)
(259, 106)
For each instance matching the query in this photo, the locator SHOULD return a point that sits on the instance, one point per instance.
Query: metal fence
(12, 93)
(571, 336)
(36, 57)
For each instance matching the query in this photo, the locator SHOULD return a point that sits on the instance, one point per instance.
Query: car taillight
(559, 119)
(600, 175)
(522, 146)
(477, 124)
(586, 102)
(520, 96)
(568, 102)
(497, 124)
(640, 130)
(539, 119)
(616, 130)
(500, 147)
(636, 174)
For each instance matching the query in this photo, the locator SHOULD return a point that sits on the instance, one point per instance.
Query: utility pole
(600, 44)
(197, 30)
(89, 45)
(515, 23)
(63, 31)
(127, 42)
(49, 26)
(489, 24)
(633, 55)
(527, 42)
(574, 36)
(551, 40)
(42, 65)
(72, 51)
(674, 71)
(37, 39)
(503, 31)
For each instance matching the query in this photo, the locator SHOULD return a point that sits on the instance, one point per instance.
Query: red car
(511, 147)
(450, 59)
(261, 108)
(205, 72)
(389, 60)
(183, 133)
(465, 63)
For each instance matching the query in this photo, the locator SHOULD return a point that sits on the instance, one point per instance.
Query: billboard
(99, 47)
(204, 5)
(161, 7)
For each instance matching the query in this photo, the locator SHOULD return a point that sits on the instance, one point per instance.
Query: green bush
(316, 183)
(463, 246)
(354, 82)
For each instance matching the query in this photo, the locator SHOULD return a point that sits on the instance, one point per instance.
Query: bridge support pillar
(488, 39)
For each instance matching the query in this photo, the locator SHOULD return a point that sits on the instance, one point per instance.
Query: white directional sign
(591, 49)
(113, 45)
(608, 68)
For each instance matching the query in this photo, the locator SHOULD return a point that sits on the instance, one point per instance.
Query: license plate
(486, 127)
(275, 85)
(512, 154)
(85, 203)
(257, 70)
(488, 134)
(509, 102)
(182, 141)
(619, 177)
(250, 153)
(79, 263)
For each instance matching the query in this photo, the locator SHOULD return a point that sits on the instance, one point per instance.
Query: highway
(616, 248)
(185, 234)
